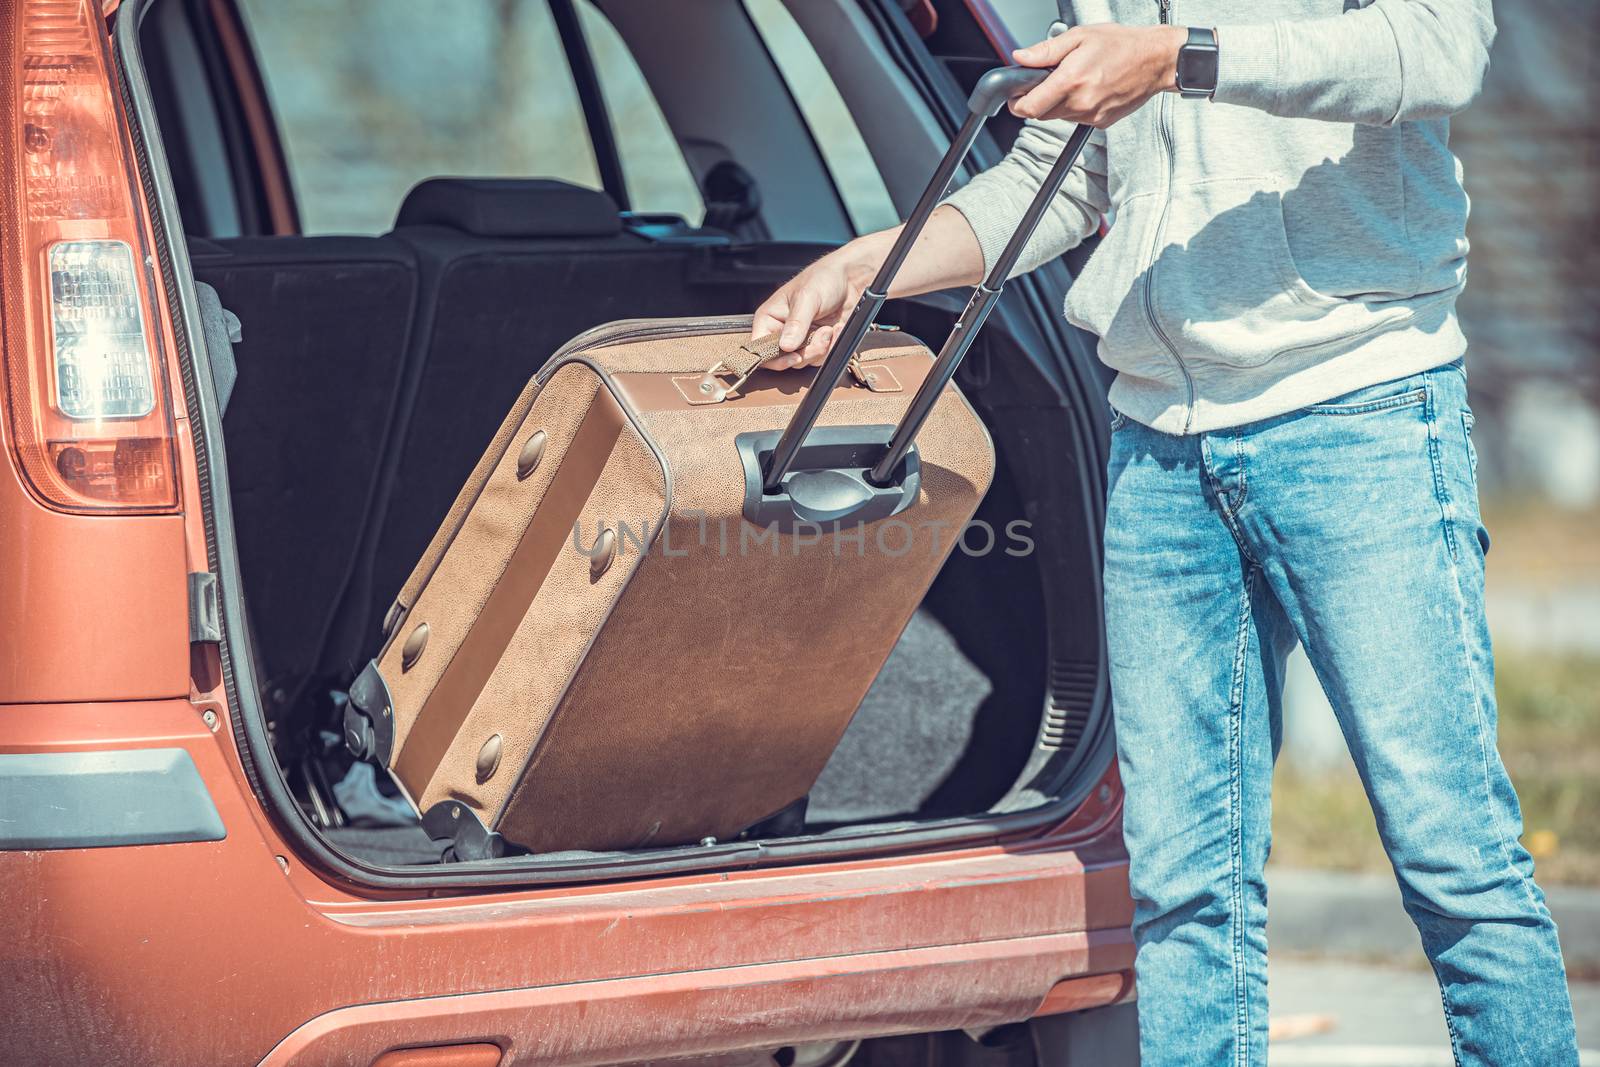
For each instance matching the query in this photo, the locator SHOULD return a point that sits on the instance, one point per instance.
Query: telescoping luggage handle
(830, 494)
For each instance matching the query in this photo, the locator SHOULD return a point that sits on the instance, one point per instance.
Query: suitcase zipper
(623, 331)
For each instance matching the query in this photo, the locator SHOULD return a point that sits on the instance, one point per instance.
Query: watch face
(1197, 69)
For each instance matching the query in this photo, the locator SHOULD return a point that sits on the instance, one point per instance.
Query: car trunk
(373, 371)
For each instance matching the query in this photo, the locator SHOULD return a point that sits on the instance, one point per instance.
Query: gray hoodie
(1299, 236)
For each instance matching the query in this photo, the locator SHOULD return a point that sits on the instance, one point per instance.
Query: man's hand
(807, 311)
(1103, 72)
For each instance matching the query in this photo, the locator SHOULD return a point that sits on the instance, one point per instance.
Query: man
(1291, 460)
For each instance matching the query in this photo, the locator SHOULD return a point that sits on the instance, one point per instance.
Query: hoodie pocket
(1107, 295)
(1224, 286)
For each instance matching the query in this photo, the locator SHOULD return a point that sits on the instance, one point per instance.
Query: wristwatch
(1197, 63)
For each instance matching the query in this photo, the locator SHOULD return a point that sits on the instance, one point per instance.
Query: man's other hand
(1103, 72)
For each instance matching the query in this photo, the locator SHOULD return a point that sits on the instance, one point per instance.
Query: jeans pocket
(1467, 422)
(1380, 397)
(1118, 420)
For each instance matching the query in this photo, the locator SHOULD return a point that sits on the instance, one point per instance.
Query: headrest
(511, 207)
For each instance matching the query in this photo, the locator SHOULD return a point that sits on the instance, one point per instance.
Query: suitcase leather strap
(715, 386)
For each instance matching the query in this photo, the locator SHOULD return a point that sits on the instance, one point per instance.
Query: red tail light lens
(91, 422)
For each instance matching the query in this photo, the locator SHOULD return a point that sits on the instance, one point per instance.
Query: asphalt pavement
(1343, 1013)
(1351, 988)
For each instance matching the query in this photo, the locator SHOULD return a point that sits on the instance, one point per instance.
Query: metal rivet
(707, 842)
(488, 758)
(532, 452)
(603, 552)
(455, 811)
(412, 650)
(706, 387)
(209, 717)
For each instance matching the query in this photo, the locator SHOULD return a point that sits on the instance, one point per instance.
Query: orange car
(245, 373)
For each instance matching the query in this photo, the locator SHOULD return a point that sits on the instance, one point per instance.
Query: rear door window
(1028, 20)
(373, 98)
(654, 171)
(855, 174)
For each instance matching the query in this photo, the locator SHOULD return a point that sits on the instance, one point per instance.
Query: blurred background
(495, 91)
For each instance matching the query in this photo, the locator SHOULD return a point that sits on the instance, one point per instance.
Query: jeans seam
(1464, 650)
(1449, 1014)
(1231, 521)
(1436, 462)
(1225, 504)
(1244, 474)
(1482, 737)
(1241, 992)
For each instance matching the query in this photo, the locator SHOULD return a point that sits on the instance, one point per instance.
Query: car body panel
(91, 607)
(215, 952)
(706, 1012)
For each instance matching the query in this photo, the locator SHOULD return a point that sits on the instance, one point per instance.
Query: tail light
(90, 417)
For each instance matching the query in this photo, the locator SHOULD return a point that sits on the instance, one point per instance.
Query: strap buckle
(877, 379)
(713, 378)
(710, 388)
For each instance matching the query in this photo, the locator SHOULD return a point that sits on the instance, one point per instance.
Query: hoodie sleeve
(993, 202)
(1391, 61)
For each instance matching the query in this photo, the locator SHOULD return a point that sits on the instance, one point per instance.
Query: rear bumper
(726, 1009)
(227, 951)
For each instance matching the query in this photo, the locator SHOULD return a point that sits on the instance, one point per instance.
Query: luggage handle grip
(1002, 84)
(992, 89)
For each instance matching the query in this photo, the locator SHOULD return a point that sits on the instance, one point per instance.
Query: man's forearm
(946, 254)
(1392, 61)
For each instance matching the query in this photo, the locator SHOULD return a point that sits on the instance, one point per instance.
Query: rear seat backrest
(511, 269)
(325, 325)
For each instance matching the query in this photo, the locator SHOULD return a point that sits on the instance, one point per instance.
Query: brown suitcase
(666, 587)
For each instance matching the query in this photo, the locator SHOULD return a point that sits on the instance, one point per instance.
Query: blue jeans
(1351, 527)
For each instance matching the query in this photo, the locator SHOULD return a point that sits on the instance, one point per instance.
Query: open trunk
(372, 371)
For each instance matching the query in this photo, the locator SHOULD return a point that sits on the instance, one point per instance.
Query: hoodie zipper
(1164, 120)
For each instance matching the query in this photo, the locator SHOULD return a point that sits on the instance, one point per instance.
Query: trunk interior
(372, 372)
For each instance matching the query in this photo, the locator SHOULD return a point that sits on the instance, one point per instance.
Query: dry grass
(1538, 544)
(1550, 739)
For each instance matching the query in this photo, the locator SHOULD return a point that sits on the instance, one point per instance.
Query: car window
(1028, 20)
(373, 98)
(844, 151)
(653, 168)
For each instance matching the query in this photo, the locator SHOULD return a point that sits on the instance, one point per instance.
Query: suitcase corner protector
(369, 717)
